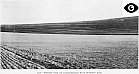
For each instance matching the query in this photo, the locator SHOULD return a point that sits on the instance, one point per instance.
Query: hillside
(115, 26)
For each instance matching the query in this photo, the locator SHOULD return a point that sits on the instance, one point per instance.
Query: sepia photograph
(67, 34)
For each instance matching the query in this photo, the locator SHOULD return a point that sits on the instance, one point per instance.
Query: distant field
(79, 51)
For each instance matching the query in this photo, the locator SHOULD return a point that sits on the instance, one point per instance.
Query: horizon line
(66, 22)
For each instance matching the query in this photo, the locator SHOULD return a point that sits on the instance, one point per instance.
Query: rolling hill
(114, 26)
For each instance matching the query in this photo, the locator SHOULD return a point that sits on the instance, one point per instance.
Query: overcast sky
(44, 11)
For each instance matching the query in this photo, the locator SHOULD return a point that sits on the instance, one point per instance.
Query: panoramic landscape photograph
(101, 44)
(67, 34)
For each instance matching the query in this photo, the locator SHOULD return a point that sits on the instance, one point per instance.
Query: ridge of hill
(115, 26)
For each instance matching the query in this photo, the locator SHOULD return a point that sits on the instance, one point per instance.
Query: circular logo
(131, 7)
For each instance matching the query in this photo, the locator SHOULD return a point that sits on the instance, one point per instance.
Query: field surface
(61, 51)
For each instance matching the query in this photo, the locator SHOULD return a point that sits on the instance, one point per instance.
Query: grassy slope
(116, 26)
